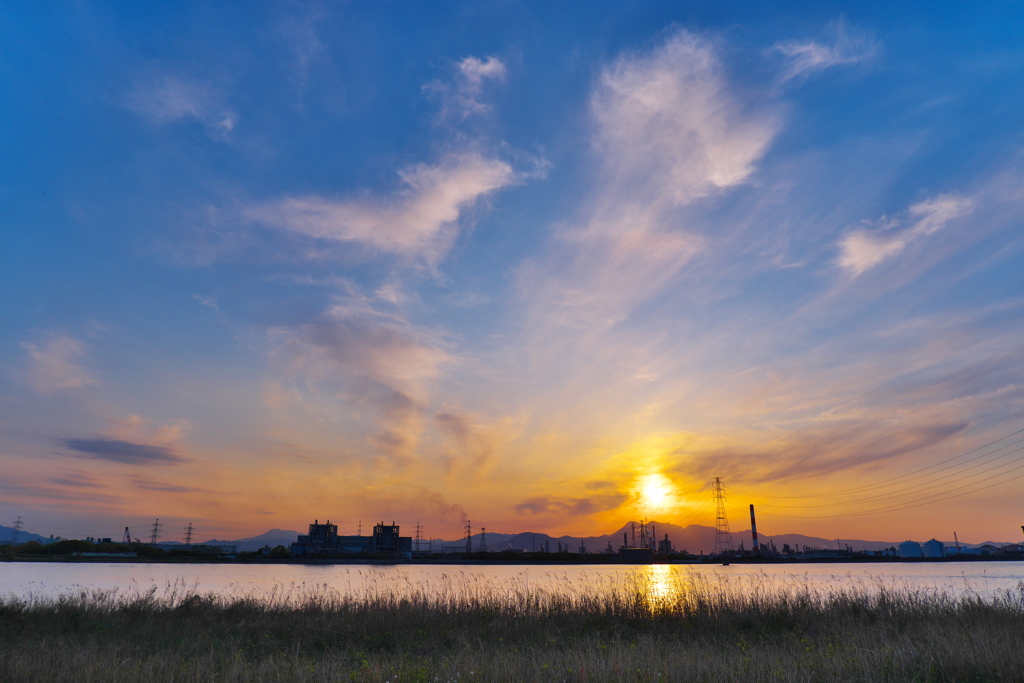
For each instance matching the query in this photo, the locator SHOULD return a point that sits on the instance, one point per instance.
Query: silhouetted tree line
(75, 547)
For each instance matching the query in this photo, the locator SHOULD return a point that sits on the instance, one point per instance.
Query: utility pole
(469, 537)
(188, 534)
(723, 536)
(16, 531)
(483, 539)
(156, 531)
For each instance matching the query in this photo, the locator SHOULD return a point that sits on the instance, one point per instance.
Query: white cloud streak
(419, 220)
(807, 57)
(862, 250)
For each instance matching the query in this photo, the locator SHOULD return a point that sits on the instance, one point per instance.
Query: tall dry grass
(683, 627)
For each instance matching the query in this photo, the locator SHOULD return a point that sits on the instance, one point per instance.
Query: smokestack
(753, 529)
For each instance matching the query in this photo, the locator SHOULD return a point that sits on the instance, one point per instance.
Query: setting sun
(655, 493)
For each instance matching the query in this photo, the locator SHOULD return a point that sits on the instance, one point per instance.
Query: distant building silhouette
(323, 541)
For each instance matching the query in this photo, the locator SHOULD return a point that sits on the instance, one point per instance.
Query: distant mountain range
(693, 538)
(273, 538)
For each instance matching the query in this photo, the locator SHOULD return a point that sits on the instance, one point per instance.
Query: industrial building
(640, 550)
(323, 541)
(665, 546)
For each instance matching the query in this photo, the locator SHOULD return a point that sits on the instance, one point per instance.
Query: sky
(540, 266)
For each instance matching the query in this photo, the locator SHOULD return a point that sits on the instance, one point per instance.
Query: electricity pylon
(723, 537)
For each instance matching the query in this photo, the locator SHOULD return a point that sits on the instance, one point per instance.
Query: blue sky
(546, 267)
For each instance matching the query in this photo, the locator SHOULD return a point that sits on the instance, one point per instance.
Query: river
(272, 581)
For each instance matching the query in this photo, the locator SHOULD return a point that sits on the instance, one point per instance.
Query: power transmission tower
(483, 539)
(469, 537)
(16, 531)
(156, 531)
(723, 537)
(419, 536)
(360, 532)
(188, 534)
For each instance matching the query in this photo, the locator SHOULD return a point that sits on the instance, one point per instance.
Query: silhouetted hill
(7, 533)
(273, 538)
(694, 538)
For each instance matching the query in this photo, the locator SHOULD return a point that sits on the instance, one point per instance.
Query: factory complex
(323, 541)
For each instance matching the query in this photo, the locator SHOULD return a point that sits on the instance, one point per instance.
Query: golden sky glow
(512, 265)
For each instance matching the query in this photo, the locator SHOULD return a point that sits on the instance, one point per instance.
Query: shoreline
(499, 561)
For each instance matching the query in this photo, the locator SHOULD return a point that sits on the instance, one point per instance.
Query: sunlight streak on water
(662, 583)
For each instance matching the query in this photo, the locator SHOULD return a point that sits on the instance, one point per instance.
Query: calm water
(48, 579)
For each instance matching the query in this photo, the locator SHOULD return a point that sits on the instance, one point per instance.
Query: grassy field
(687, 629)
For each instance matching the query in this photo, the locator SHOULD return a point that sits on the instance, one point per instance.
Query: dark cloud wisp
(115, 450)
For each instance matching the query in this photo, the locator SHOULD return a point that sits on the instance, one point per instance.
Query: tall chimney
(753, 530)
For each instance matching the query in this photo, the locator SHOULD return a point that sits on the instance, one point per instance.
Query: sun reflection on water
(661, 583)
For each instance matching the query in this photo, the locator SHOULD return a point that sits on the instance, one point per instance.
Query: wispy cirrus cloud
(163, 99)
(56, 364)
(76, 479)
(820, 449)
(461, 97)
(570, 507)
(669, 131)
(862, 250)
(379, 365)
(847, 46)
(670, 128)
(419, 220)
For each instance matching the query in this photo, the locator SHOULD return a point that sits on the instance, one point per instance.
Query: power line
(923, 486)
(697, 514)
(904, 476)
(927, 500)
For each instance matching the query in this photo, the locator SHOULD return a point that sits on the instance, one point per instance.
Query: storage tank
(910, 549)
(963, 550)
(934, 548)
